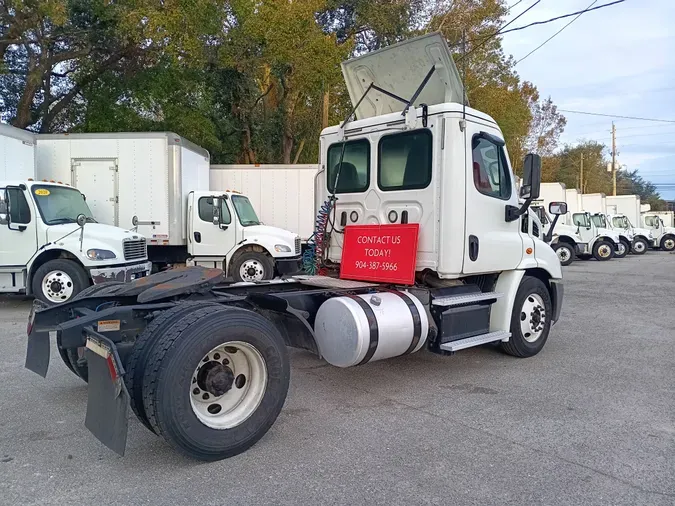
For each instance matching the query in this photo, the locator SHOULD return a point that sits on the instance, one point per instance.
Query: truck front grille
(135, 249)
(297, 245)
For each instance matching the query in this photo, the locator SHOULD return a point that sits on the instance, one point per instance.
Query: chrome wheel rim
(639, 246)
(563, 253)
(669, 244)
(532, 317)
(228, 385)
(57, 286)
(252, 270)
(621, 249)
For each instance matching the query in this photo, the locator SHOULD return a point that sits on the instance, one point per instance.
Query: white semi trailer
(159, 183)
(204, 364)
(50, 244)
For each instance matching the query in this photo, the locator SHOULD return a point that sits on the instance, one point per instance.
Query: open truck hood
(400, 69)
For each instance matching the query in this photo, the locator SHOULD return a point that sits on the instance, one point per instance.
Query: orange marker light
(528, 251)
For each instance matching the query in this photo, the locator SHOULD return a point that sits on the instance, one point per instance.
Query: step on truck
(158, 182)
(51, 247)
(421, 243)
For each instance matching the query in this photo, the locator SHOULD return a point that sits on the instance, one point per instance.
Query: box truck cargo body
(147, 175)
(17, 153)
(283, 195)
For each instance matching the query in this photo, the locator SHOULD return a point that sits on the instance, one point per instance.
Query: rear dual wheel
(214, 382)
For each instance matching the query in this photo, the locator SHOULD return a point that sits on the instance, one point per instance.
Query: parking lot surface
(590, 420)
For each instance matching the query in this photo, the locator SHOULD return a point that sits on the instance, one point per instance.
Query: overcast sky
(618, 60)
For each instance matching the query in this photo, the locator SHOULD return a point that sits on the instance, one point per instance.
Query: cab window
(581, 220)
(404, 161)
(652, 221)
(490, 170)
(17, 205)
(355, 172)
(206, 211)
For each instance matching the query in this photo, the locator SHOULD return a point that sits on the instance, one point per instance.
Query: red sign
(382, 253)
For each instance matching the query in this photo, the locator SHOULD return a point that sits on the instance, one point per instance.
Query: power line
(487, 39)
(556, 33)
(617, 116)
(561, 17)
(514, 5)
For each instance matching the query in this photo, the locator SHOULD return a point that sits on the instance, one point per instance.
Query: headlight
(282, 248)
(100, 254)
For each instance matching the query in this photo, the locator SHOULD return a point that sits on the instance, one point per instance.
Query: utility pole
(614, 158)
(581, 174)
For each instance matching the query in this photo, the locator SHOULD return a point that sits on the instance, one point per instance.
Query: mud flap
(37, 353)
(108, 400)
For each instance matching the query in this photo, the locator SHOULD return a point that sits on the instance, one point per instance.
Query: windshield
(599, 221)
(59, 204)
(245, 211)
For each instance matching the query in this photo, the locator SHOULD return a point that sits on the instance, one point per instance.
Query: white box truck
(159, 183)
(283, 195)
(50, 245)
(211, 375)
(626, 214)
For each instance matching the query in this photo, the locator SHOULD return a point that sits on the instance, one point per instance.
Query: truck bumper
(557, 293)
(122, 273)
(289, 266)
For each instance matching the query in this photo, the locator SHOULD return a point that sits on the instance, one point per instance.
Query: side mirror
(216, 211)
(557, 208)
(531, 177)
(134, 221)
(4, 208)
(81, 220)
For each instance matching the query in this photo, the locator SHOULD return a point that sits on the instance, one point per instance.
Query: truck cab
(604, 226)
(663, 237)
(602, 244)
(640, 238)
(224, 232)
(51, 246)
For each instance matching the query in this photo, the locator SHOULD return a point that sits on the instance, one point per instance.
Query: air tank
(357, 329)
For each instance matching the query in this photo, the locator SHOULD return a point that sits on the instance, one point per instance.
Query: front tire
(622, 250)
(234, 364)
(603, 250)
(668, 243)
(252, 266)
(530, 319)
(58, 281)
(565, 252)
(640, 246)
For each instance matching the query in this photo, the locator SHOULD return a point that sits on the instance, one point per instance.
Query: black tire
(518, 344)
(257, 260)
(600, 251)
(640, 246)
(78, 278)
(626, 246)
(74, 358)
(167, 382)
(566, 256)
(137, 361)
(668, 243)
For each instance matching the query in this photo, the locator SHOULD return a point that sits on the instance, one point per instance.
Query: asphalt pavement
(590, 420)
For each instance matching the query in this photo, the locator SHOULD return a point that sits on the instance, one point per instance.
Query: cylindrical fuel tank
(356, 329)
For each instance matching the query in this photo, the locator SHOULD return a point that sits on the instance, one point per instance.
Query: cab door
(491, 243)
(18, 236)
(585, 226)
(206, 238)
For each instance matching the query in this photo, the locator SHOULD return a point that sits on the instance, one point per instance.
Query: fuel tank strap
(372, 324)
(417, 321)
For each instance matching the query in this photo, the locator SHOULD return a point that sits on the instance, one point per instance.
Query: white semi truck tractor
(158, 182)
(422, 242)
(51, 247)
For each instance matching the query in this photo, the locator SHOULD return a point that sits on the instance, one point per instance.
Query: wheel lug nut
(196, 391)
(205, 396)
(225, 361)
(216, 356)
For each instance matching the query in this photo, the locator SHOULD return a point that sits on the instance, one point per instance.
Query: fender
(45, 256)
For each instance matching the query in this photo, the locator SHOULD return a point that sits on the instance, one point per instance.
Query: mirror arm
(549, 235)
(513, 212)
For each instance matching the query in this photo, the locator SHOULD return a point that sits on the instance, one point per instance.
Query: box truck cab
(604, 226)
(564, 239)
(663, 237)
(601, 244)
(641, 237)
(626, 213)
(53, 248)
(225, 232)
